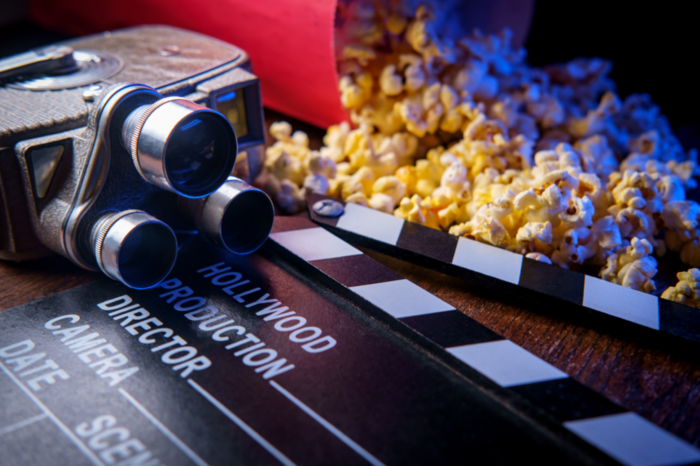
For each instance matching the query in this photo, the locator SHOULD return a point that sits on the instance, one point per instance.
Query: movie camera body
(111, 143)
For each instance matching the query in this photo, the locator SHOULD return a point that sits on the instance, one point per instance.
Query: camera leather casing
(62, 157)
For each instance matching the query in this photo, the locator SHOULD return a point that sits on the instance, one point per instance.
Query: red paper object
(290, 42)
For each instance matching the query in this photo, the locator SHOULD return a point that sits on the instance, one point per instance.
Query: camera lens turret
(181, 146)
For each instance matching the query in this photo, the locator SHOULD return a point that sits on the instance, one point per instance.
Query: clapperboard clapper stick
(499, 366)
(507, 272)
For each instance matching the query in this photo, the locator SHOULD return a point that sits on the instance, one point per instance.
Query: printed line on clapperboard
(330, 427)
(267, 445)
(163, 429)
(240, 423)
(23, 423)
(50, 414)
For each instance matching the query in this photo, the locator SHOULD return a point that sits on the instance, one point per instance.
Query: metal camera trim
(96, 168)
(109, 237)
(214, 212)
(152, 133)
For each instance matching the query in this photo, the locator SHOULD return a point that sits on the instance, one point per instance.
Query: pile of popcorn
(465, 137)
(687, 291)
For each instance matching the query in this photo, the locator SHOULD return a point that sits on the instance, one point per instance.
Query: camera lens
(237, 216)
(193, 154)
(247, 221)
(134, 248)
(181, 146)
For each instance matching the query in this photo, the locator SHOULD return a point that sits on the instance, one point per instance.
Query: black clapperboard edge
(560, 404)
(590, 298)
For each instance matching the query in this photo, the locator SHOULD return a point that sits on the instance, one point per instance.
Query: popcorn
(633, 222)
(358, 198)
(548, 112)
(687, 290)
(321, 165)
(606, 237)
(538, 256)
(460, 134)
(335, 185)
(533, 232)
(578, 213)
(690, 253)
(289, 197)
(414, 76)
(453, 213)
(681, 219)
(390, 186)
(286, 157)
(657, 169)
(334, 141)
(595, 121)
(484, 227)
(590, 186)
(597, 156)
(684, 170)
(544, 207)
(281, 131)
(383, 202)
(355, 90)
(416, 35)
(418, 119)
(395, 24)
(360, 182)
(474, 79)
(412, 210)
(409, 177)
(317, 183)
(637, 190)
(454, 183)
(390, 82)
(632, 267)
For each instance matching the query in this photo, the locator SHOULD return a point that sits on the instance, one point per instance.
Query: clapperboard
(307, 352)
(509, 272)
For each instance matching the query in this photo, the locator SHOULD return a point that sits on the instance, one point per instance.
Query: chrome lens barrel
(237, 216)
(181, 146)
(134, 248)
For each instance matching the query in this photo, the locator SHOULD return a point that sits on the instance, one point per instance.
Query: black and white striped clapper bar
(465, 345)
(509, 272)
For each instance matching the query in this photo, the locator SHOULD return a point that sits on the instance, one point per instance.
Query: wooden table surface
(654, 375)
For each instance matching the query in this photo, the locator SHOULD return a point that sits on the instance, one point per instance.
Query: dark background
(653, 46)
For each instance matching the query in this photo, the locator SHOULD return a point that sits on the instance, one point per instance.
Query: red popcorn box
(291, 42)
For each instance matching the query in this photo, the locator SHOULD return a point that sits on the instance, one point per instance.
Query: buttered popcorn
(462, 135)
(687, 290)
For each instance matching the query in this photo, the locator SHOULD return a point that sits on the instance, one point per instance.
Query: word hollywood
(254, 352)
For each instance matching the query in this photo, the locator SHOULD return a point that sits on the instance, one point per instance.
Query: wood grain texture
(652, 374)
(31, 280)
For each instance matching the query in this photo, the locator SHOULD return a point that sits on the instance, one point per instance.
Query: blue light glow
(190, 125)
(226, 97)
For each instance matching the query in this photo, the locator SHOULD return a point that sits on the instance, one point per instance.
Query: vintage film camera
(111, 143)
